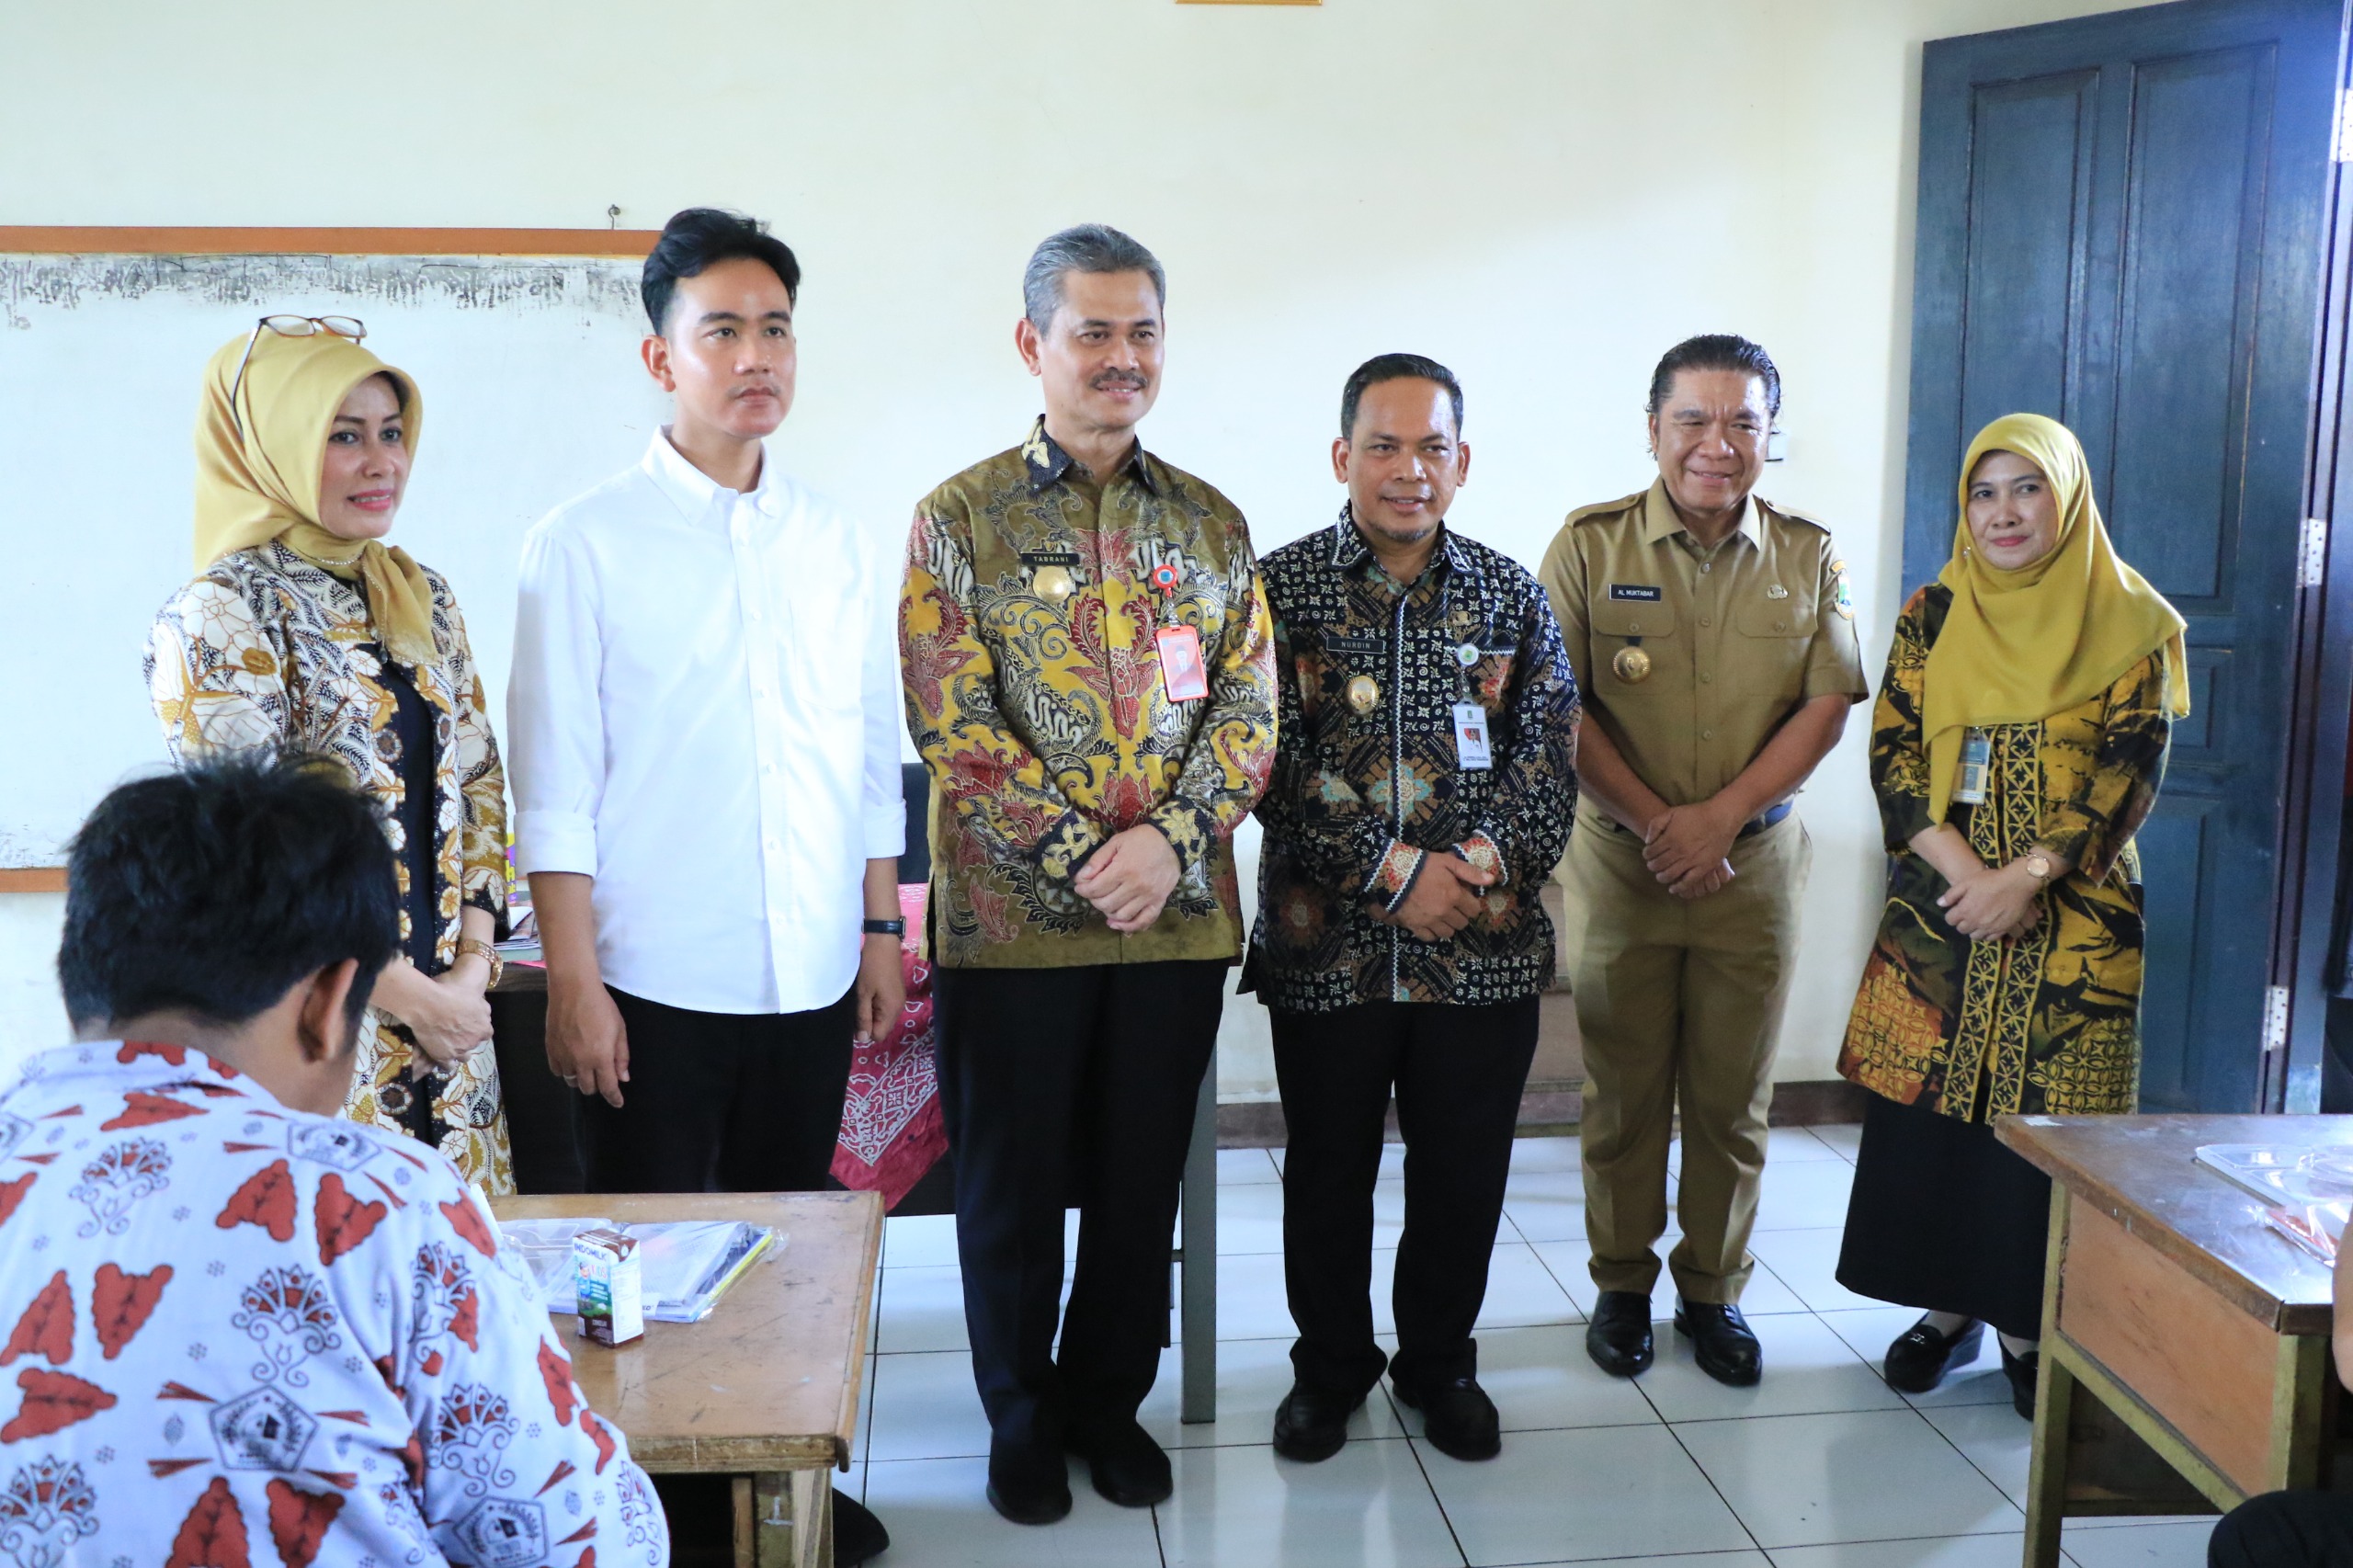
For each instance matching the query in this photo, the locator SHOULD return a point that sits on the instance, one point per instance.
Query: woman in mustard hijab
(2017, 746)
(302, 629)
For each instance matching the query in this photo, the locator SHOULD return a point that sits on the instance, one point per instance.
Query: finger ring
(571, 1078)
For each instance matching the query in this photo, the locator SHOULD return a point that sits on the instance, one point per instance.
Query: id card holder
(1473, 747)
(1181, 673)
(1976, 761)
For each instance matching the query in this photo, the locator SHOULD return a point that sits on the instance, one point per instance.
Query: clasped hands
(1129, 879)
(1992, 902)
(1446, 896)
(1688, 848)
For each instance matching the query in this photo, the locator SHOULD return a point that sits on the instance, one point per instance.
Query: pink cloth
(893, 1131)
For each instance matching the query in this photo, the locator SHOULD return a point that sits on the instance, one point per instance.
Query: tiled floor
(1821, 1466)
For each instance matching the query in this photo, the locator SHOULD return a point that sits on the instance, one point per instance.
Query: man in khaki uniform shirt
(1714, 636)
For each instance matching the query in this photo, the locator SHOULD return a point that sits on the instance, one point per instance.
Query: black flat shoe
(1618, 1338)
(1458, 1417)
(1722, 1341)
(1127, 1466)
(858, 1536)
(1920, 1357)
(2024, 1372)
(1311, 1426)
(1028, 1482)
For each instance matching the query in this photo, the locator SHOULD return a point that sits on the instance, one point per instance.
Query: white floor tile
(1683, 1560)
(1994, 1437)
(1805, 1195)
(1807, 1262)
(1546, 1205)
(1253, 1375)
(1946, 1551)
(1841, 1138)
(938, 1516)
(1878, 1475)
(918, 1241)
(1249, 1219)
(1808, 1370)
(925, 1407)
(1871, 1330)
(2177, 1543)
(923, 1308)
(1787, 1145)
(1247, 1167)
(1520, 1291)
(1570, 1262)
(1601, 1493)
(1541, 1379)
(1367, 1506)
(1543, 1154)
(1250, 1300)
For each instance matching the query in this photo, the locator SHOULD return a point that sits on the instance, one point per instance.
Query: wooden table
(766, 1389)
(2185, 1346)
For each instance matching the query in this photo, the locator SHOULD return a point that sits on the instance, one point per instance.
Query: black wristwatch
(886, 927)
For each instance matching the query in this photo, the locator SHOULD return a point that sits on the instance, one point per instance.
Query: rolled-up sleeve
(555, 726)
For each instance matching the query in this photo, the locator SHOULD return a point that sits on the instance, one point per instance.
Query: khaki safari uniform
(1690, 659)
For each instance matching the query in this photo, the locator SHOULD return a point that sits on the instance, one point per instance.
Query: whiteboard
(533, 392)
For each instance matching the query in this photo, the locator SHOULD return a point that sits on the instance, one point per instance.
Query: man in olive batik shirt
(1090, 678)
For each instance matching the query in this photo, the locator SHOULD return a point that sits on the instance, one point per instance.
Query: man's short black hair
(1396, 368)
(1717, 351)
(213, 891)
(704, 236)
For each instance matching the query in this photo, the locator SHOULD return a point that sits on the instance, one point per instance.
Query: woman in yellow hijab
(302, 629)
(2017, 746)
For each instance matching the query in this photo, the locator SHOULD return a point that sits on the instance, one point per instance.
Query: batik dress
(265, 650)
(1948, 1033)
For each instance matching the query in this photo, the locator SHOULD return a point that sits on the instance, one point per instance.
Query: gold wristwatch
(489, 955)
(2038, 865)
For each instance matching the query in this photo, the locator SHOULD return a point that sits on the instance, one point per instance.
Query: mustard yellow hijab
(2020, 646)
(263, 484)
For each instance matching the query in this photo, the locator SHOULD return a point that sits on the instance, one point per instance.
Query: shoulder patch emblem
(1843, 596)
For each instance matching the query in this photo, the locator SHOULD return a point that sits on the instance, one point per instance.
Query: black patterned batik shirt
(1368, 782)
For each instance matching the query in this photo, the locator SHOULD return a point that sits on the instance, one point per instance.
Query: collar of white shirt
(698, 496)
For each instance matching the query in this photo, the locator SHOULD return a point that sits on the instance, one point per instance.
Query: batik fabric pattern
(1043, 717)
(265, 650)
(1363, 795)
(244, 1334)
(2047, 1024)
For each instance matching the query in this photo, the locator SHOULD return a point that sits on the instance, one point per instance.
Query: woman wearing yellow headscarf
(302, 629)
(2017, 746)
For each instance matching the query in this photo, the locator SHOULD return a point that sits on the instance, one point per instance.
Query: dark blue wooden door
(2121, 226)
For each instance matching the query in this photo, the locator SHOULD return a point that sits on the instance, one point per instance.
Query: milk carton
(609, 1277)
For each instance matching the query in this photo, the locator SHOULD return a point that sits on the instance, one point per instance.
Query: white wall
(1544, 194)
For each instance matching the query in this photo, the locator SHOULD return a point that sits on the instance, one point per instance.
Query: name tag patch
(1050, 558)
(1642, 593)
(1340, 642)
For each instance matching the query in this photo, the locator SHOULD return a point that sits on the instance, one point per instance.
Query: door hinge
(2313, 568)
(2275, 1020)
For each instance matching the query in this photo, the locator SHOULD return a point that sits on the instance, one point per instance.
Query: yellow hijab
(263, 484)
(2019, 646)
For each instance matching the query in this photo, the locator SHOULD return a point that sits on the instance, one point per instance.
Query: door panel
(2121, 227)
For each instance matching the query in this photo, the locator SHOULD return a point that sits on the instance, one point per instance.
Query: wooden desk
(766, 1389)
(2200, 1337)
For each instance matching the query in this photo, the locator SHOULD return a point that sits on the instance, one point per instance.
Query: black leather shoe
(2024, 1372)
(858, 1536)
(1920, 1357)
(1721, 1342)
(1618, 1338)
(1458, 1417)
(1028, 1482)
(1127, 1466)
(1310, 1426)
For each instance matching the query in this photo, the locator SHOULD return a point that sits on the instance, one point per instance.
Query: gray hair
(1089, 247)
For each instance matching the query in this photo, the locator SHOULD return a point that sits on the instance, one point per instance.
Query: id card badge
(1976, 758)
(1181, 674)
(1472, 745)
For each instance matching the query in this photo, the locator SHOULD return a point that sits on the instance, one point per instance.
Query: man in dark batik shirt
(1425, 777)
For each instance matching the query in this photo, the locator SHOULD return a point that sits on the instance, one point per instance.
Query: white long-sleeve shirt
(704, 717)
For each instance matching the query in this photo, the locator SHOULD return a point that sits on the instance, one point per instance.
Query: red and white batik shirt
(240, 1335)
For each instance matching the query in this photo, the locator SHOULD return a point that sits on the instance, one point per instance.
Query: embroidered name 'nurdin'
(1645, 592)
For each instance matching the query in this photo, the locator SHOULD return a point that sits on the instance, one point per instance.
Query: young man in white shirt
(703, 730)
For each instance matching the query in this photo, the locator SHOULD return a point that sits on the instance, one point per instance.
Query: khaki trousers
(1678, 1000)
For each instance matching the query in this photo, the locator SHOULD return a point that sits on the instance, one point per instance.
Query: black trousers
(2285, 1529)
(1458, 1073)
(1066, 1086)
(723, 1102)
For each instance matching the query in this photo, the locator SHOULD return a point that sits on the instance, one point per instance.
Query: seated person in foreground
(245, 1331)
(2297, 1529)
